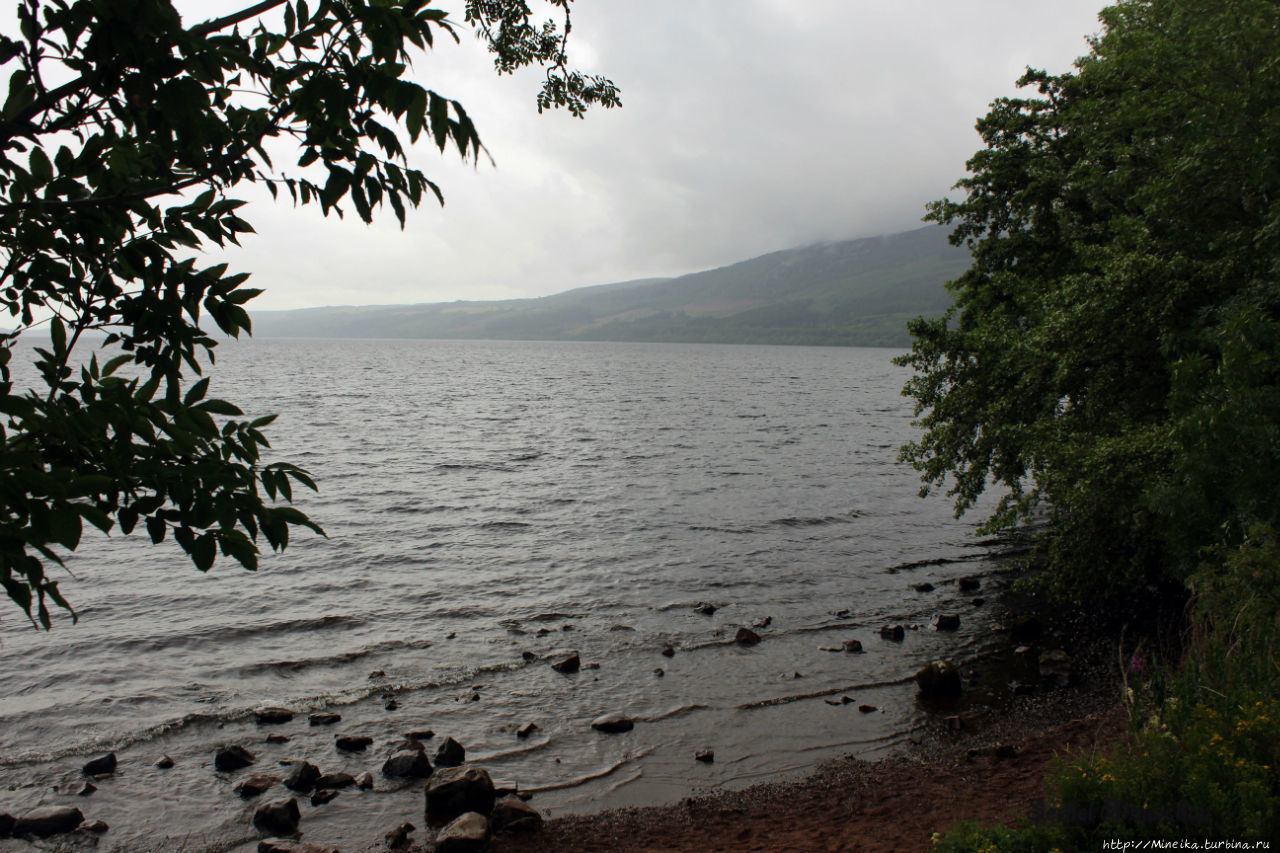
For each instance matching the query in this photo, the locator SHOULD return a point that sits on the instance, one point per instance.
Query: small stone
(302, 777)
(566, 662)
(80, 789)
(969, 584)
(896, 633)
(922, 587)
(613, 723)
(51, 820)
(273, 716)
(846, 700)
(668, 652)
(704, 755)
(853, 646)
(103, 765)
(93, 827)
(164, 762)
(278, 818)
(286, 845)
(378, 673)
(352, 743)
(326, 795)
(255, 786)
(592, 665)
(399, 836)
(452, 635)
(422, 734)
(274, 738)
(230, 758)
(365, 781)
(659, 671)
(566, 627)
(746, 637)
(511, 814)
(978, 602)
(528, 657)
(449, 753)
(867, 709)
(704, 608)
(526, 730)
(325, 719)
(390, 704)
(468, 833)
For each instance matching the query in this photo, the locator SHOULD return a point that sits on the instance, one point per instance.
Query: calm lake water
(487, 499)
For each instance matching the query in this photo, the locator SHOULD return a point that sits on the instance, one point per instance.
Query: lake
(484, 500)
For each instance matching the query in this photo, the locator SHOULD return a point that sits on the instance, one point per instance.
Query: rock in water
(365, 781)
(939, 680)
(746, 637)
(326, 719)
(399, 836)
(613, 723)
(302, 777)
(164, 762)
(455, 790)
(706, 756)
(334, 781)
(319, 798)
(468, 833)
(969, 584)
(352, 743)
(852, 646)
(450, 753)
(947, 622)
(255, 786)
(704, 608)
(896, 633)
(273, 716)
(566, 662)
(233, 757)
(51, 820)
(526, 730)
(512, 814)
(283, 845)
(407, 764)
(278, 818)
(103, 765)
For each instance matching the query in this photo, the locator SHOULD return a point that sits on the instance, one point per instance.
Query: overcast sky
(747, 126)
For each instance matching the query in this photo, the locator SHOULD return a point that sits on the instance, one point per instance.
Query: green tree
(122, 134)
(1111, 359)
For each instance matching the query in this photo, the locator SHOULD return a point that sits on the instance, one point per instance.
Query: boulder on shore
(896, 633)
(746, 637)
(852, 646)
(352, 743)
(939, 680)
(512, 814)
(468, 833)
(456, 790)
(256, 786)
(947, 622)
(278, 818)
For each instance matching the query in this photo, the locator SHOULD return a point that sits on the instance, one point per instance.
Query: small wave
(326, 660)
(590, 777)
(800, 697)
(815, 521)
(935, 561)
(674, 712)
(505, 525)
(707, 528)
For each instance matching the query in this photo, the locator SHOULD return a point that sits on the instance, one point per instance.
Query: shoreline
(959, 768)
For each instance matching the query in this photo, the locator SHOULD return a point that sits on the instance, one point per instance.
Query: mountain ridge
(858, 292)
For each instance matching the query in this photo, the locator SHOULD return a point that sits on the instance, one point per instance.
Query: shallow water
(486, 499)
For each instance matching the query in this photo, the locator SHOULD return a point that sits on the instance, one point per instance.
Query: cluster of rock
(47, 821)
(459, 796)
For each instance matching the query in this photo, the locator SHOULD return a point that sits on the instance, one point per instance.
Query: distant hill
(852, 293)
